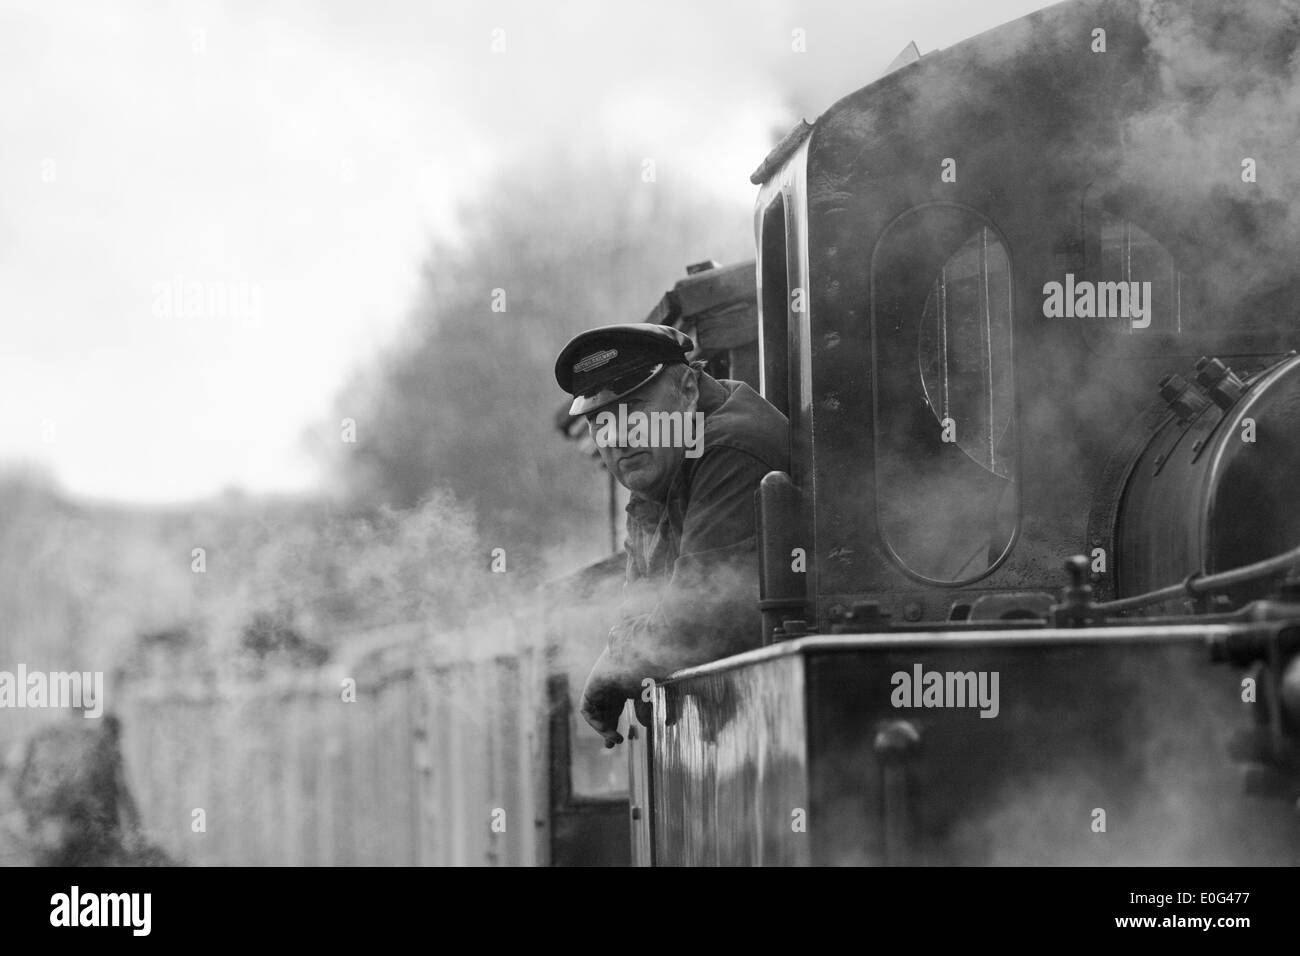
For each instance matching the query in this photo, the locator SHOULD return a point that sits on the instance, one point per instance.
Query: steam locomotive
(1030, 589)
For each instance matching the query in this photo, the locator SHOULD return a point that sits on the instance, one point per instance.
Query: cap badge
(595, 360)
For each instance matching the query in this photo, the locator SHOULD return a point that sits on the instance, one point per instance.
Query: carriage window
(946, 495)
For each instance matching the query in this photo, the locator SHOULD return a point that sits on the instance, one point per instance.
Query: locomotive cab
(945, 262)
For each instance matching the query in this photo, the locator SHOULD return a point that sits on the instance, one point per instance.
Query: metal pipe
(1198, 584)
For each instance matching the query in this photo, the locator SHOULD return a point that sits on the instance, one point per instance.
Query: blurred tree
(465, 399)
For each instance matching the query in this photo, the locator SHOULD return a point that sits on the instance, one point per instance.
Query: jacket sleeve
(709, 608)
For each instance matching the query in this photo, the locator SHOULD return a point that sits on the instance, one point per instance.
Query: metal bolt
(896, 740)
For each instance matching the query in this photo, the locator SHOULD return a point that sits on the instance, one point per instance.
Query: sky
(212, 214)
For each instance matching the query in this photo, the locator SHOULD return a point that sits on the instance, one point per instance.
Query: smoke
(1156, 764)
(227, 630)
(1216, 153)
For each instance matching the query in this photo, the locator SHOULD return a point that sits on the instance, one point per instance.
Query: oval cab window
(947, 502)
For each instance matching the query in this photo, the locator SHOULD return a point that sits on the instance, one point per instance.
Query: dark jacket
(691, 593)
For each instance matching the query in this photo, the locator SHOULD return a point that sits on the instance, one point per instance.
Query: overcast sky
(211, 213)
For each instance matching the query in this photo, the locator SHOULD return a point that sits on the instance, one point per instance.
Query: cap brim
(586, 404)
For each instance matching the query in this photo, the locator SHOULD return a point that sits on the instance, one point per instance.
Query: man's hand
(603, 698)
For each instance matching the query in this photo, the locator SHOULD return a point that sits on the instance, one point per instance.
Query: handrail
(1198, 584)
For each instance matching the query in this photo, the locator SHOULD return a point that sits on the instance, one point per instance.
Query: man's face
(648, 471)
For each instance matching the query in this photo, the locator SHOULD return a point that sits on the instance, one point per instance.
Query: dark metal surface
(1131, 722)
(1201, 499)
(729, 768)
(782, 570)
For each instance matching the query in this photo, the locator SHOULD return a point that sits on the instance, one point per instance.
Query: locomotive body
(1022, 300)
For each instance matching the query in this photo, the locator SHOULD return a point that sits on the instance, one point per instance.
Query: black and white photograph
(691, 433)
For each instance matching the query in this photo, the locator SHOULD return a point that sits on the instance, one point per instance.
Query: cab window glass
(1217, 281)
(1126, 253)
(946, 457)
(965, 349)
